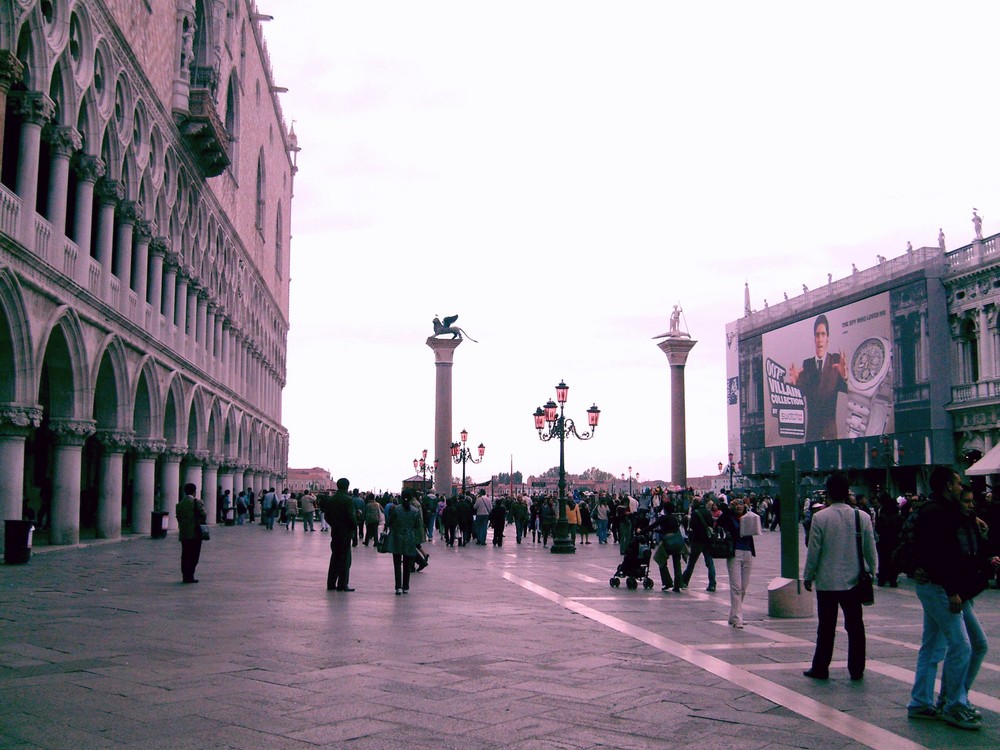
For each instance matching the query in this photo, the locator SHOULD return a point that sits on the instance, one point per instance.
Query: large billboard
(829, 377)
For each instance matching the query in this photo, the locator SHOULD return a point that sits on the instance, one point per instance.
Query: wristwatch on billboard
(869, 388)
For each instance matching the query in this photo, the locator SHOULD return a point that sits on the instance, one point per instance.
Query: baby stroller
(635, 564)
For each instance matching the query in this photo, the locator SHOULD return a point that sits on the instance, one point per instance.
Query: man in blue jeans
(483, 507)
(698, 538)
(941, 573)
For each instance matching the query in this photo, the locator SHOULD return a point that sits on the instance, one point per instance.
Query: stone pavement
(101, 646)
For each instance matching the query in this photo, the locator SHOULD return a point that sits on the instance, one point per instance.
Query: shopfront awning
(988, 464)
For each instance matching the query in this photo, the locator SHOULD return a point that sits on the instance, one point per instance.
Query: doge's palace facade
(145, 203)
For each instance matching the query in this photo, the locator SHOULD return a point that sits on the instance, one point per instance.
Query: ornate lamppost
(730, 468)
(460, 454)
(421, 465)
(558, 428)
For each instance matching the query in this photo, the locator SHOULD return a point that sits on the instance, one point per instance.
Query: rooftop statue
(441, 329)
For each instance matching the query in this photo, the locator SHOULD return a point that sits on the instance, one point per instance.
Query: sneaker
(711, 588)
(969, 707)
(399, 591)
(962, 718)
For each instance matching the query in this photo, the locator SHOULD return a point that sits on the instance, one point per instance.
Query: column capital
(148, 448)
(129, 212)
(11, 70)
(17, 420)
(174, 453)
(196, 457)
(109, 191)
(64, 141)
(444, 349)
(677, 349)
(33, 106)
(144, 230)
(72, 431)
(88, 168)
(159, 246)
(172, 262)
(115, 441)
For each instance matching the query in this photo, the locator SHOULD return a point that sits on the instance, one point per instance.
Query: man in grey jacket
(833, 564)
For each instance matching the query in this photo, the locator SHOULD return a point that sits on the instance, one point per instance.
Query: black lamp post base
(562, 544)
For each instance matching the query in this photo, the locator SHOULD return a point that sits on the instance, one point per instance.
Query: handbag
(204, 532)
(674, 542)
(864, 587)
(721, 545)
(382, 545)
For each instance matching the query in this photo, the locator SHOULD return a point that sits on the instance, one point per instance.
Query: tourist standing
(190, 513)
(339, 513)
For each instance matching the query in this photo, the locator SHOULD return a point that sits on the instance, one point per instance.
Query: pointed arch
(16, 373)
(62, 364)
(111, 407)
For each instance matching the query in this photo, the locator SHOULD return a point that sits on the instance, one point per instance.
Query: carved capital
(171, 261)
(72, 431)
(33, 106)
(88, 168)
(18, 420)
(129, 212)
(174, 453)
(144, 230)
(196, 457)
(11, 70)
(64, 141)
(109, 191)
(147, 448)
(159, 246)
(115, 441)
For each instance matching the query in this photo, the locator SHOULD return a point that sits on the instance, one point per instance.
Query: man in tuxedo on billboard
(820, 379)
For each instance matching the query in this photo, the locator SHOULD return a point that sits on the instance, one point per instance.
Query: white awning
(988, 464)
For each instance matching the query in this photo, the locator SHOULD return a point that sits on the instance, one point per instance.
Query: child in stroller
(635, 564)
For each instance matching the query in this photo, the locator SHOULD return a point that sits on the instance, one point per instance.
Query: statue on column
(441, 329)
(675, 325)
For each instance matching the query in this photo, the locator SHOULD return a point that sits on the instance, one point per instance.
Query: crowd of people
(941, 541)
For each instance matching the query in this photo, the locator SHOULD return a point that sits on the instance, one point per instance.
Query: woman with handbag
(405, 522)
(741, 563)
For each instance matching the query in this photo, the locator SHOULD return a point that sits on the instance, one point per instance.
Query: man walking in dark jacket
(339, 513)
(698, 538)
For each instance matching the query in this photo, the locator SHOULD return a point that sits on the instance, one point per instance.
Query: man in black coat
(699, 531)
(339, 514)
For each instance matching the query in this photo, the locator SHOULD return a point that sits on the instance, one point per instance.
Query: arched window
(261, 192)
(279, 234)
(233, 123)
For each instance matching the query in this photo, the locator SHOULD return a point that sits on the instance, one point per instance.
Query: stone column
(89, 169)
(15, 424)
(210, 492)
(444, 356)
(129, 212)
(64, 143)
(140, 273)
(144, 493)
(180, 304)
(11, 72)
(201, 329)
(677, 347)
(70, 435)
(192, 313)
(109, 500)
(109, 194)
(210, 332)
(226, 480)
(35, 110)
(170, 479)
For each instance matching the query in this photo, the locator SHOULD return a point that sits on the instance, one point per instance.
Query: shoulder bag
(864, 588)
(720, 544)
(382, 545)
(204, 532)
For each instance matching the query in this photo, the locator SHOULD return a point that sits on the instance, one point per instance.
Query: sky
(561, 174)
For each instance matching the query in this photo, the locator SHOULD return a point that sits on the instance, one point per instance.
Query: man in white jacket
(832, 562)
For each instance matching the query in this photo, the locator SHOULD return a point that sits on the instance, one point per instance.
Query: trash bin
(229, 516)
(158, 526)
(17, 541)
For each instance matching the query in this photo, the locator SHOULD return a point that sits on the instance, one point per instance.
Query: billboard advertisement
(829, 377)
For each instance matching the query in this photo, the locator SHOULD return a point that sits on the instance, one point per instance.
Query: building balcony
(204, 133)
(982, 391)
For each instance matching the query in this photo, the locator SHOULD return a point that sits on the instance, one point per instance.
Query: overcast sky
(560, 174)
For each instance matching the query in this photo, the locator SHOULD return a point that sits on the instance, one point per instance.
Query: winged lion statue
(440, 329)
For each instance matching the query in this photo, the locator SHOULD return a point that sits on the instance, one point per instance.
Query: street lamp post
(460, 454)
(558, 428)
(423, 467)
(730, 468)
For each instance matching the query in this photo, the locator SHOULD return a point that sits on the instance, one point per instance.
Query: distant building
(921, 345)
(145, 193)
(315, 479)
